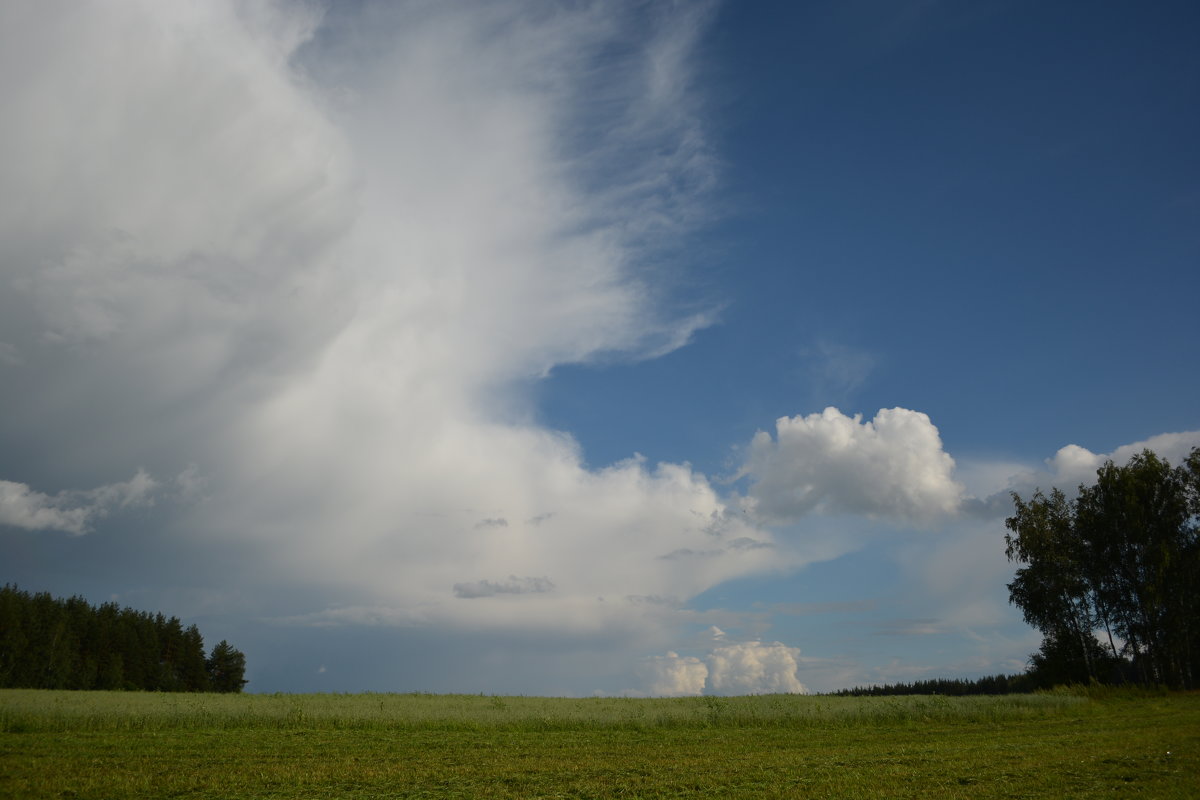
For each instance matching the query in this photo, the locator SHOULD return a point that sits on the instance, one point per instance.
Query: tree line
(1112, 577)
(955, 687)
(52, 643)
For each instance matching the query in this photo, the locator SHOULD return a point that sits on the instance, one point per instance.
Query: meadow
(134, 745)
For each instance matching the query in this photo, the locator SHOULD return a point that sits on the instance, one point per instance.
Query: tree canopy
(50, 643)
(1121, 560)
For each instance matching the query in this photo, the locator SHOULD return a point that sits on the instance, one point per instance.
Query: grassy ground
(123, 745)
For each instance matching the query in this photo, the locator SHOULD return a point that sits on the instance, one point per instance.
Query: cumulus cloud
(891, 466)
(730, 668)
(70, 511)
(1071, 466)
(1074, 464)
(673, 675)
(754, 668)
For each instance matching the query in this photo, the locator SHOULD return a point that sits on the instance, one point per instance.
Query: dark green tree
(193, 666)
(1052, 589)
(1122, 561)
(226, 668)
(1065, 658)
(13, 641)
(48, 643)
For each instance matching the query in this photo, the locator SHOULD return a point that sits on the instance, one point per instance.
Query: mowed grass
(122, 745)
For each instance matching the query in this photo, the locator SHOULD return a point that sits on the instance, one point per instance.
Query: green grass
(123, 745)
(33, 710)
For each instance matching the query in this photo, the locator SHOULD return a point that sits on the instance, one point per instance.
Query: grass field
(122, 745)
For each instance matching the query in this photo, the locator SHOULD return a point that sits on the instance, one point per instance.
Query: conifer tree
(226, 668)
(47, 643)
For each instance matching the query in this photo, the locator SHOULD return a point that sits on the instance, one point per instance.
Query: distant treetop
(50, 643)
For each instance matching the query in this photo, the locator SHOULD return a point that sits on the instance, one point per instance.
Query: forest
(52, 643)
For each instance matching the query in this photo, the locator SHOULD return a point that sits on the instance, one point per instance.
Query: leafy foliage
(49, 643)
(1121, 560)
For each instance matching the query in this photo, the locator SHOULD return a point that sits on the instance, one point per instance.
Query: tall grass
(27, 710)
(129, 746)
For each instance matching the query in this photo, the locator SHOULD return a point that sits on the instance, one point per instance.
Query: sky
(584, 348)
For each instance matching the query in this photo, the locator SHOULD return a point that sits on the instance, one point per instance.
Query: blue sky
(968, 211)
(582, 348)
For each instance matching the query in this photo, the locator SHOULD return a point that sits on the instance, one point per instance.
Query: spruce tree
(226, 668)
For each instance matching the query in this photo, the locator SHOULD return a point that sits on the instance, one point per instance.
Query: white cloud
(1070, 467)
(22, 507)
(673, 675)
(136, 491)
(892, 466)
(70, 511)
(310, 266)
(188, 176)
(754, 668)
(1073, 465)
(1174, 447)
(729, 668)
